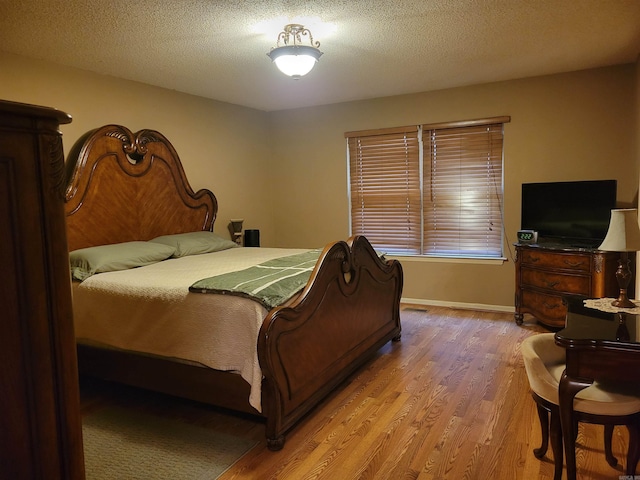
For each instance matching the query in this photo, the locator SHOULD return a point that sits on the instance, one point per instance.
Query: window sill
(468, 260)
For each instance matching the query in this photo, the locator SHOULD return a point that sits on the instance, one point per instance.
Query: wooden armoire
(40, 424)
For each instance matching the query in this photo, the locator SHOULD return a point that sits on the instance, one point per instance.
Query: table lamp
(623, 236)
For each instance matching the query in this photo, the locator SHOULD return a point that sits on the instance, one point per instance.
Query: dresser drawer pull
(573, 264)
(551, 284)
(550, 305)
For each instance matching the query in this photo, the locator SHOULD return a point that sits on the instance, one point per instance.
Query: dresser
(40, 424)
(546, 272)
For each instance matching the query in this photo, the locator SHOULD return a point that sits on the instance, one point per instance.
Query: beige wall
(563, 127)
(223, 147)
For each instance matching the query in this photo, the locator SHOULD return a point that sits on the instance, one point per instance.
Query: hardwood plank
(450, 400)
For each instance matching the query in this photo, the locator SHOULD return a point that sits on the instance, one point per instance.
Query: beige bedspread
(149, 309)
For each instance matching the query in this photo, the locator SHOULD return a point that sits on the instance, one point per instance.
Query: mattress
(150, 310)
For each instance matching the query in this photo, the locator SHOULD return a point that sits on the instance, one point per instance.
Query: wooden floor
(449, 401)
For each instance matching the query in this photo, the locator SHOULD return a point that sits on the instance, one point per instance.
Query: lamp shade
(624, 231)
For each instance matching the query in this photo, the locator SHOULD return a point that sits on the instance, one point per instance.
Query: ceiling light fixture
(293, 58)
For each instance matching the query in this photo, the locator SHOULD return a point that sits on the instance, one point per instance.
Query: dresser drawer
(556, 260)
(546, 306)
(557, 282)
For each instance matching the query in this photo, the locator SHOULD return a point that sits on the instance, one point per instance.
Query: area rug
(121, 444)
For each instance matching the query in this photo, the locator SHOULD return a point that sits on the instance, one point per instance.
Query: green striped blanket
(270, 283)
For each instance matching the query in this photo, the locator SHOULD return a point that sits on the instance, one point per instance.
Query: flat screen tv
(571, 213)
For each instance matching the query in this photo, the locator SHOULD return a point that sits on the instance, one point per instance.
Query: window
(432, 190)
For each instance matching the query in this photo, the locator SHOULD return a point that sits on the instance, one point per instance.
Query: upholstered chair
(544, 363)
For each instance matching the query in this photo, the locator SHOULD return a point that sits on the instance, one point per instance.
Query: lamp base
(623, 275)
(623, 302)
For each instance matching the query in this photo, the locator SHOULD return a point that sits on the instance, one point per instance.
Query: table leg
(634, 448)
(567, 390)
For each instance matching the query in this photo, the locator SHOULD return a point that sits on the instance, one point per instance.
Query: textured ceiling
(372, 48)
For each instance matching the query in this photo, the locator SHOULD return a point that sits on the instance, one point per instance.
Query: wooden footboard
(348, 310)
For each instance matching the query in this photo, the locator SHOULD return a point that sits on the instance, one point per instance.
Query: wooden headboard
(124, 186)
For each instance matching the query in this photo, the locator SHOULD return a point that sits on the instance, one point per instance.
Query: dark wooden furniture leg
(608, 451)
(543, 414)
(567, 391)
(633, 454)
(556, 443)
(550, 429)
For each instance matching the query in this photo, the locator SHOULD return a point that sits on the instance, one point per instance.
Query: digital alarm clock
(527, 236)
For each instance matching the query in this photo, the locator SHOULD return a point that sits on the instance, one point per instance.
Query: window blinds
(463, 191)
(445, 201)
(385, 189)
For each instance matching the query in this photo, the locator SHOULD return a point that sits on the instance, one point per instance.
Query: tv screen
(575, 213)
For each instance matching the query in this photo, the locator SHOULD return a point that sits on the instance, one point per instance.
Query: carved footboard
(347, 311)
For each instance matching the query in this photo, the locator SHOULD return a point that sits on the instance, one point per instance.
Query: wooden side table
(599, 346)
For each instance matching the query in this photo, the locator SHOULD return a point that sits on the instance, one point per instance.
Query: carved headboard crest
(135, 148)
(123, 186)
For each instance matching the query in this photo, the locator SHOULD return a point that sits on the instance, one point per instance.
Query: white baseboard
(461, 305)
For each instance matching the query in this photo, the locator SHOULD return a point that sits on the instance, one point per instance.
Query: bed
(131, 187)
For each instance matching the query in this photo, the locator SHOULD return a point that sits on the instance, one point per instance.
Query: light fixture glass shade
(292, 58)
(624, 232)
(295, 61)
